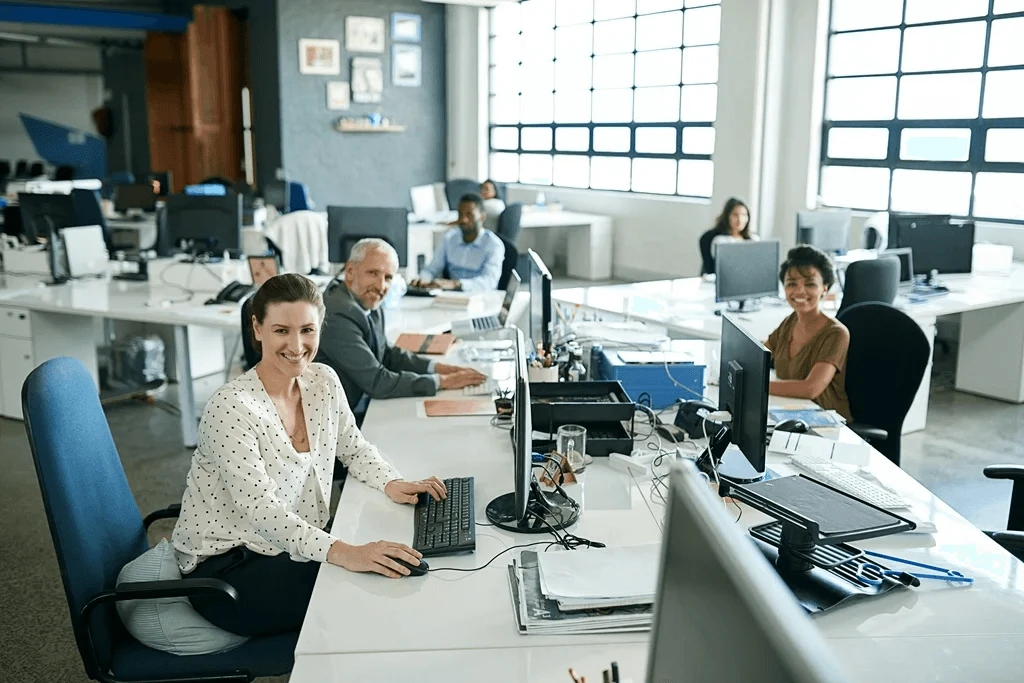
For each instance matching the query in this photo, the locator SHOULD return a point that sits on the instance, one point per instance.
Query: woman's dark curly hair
(805, 256)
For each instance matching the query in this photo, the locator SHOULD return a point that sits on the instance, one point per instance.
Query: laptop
(262, 268)
(86, 251)
(474, 326)
(906, 258)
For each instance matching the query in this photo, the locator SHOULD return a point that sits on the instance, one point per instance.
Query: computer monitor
(743, 391)
(826, 229)
(44, 214)
(721, 611)
(275, 193)
(206, 190)
(906, 257)
(940, 243)
(540, 301)
(137, 196)
(201, 224)
(346, 225)
(510, 296)
(746, 272)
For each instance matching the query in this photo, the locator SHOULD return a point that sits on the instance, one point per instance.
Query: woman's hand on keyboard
(406, 491)
(378, 557)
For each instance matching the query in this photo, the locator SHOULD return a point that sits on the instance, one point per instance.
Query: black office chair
(64, 173)
(884, 368)
(457, 188)
(36, 170)
(5, 169)
(508, 264)
(1013, 538)
(707, 260)
(873, 280)
(510, 222)
(21, 169)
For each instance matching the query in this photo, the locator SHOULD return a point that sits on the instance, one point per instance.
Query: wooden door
(193, 92)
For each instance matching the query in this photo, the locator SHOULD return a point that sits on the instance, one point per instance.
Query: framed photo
(367, 80)
(364, 34)
(406, 27)
(318, 56)
(406, 65)
(338, 95)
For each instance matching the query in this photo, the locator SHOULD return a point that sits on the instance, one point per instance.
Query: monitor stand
(545, 512)
(744, 306)
(736, 469)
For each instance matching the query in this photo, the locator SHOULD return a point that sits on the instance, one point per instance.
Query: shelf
(351, 127)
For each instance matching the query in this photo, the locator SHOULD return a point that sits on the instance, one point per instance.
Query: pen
(606, 676)
(576, 678)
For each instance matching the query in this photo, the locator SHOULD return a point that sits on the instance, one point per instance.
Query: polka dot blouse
(249, 486)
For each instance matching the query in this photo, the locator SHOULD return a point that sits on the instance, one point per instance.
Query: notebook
(453, 407)
(430, 344)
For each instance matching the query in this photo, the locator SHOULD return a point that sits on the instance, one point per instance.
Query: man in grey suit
(353, 340)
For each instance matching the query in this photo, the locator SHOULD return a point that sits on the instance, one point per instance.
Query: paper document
(790, 443)
(609, 573)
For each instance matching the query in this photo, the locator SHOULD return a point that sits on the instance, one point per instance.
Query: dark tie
(374, 345)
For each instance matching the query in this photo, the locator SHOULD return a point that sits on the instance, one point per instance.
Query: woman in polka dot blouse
(259, 489)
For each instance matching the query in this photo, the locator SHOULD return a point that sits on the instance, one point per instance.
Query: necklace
(297, 424)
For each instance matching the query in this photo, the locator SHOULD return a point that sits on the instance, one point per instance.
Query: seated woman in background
(809, 348)
(493, 204)
(732, 225)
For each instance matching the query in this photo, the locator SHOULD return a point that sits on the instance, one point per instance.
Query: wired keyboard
(483, 389)
(446, 527)
(851, 483)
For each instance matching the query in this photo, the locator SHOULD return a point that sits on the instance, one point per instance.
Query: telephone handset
(233, 292)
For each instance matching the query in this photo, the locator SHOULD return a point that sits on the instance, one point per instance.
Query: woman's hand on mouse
(378, 557)
(406, 491)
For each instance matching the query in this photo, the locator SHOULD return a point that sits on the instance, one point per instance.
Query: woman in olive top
(809, 348)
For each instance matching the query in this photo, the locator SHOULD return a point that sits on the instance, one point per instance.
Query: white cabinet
(16, 362)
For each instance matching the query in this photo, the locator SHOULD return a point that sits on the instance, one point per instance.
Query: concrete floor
(964, 434)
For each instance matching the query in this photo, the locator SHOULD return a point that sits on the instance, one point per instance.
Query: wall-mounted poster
(364, 34)
(317, 56)
(406, 27)
(406, 65)
(337, 95)
(367, 79)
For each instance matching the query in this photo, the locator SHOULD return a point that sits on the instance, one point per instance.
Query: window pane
(947, 46)
(572, 106)
(572, 170)
(574, 41)
(858, 143)
(572, 139)
(613, 71)
(1003, 94)
(613, 9)
(655, 141)
(1005, 46)
(922, 11)
(537, 139)
(869, 52)
(696, 177)
(935, 144)
(1007, 6)
(505, 19)
(505, 109)
(611, 139)
(504, 79)
(505, 50)
(699, 103)
(505, 138)
(538, 45)
(998, 195)
(702, 26)
(535, 169)
(851, 14)
(536, 107)
(853, 187)
(574, 11)
(700, 64)
(538, 12)
(613, 106)
(931, 191)
(658, 68)
(1005, 144)
(651, 6)
(609, 173)
(656, 104)
(701, 3)
(654, 175)
(658, 31)
(861, 99)
(573, 73)
(504, 167)
(940, 96)
(538, 76)
(699, 140)
(614, 36)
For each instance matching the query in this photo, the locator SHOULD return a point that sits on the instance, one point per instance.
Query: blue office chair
(298, 197)
(456, 188)
(510, 222)
(96, 529)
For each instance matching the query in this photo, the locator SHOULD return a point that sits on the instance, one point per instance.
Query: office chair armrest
(867, 432)
(1012, 542)
(1012, 472)
(170, 512)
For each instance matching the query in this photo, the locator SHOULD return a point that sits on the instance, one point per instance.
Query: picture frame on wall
(406, 27)
(319, 56)
(367, 80)
(365, 34)
(406, 65)
(338, 95)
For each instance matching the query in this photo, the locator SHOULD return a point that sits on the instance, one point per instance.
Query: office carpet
(964, 434)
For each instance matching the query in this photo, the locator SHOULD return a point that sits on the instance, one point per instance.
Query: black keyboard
(446, 527)
(421, 291)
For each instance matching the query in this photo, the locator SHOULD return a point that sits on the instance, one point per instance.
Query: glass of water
(572, 443)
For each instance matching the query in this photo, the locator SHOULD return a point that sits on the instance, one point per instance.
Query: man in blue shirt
(471, 254)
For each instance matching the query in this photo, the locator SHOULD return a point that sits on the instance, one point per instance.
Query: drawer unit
(15, 322)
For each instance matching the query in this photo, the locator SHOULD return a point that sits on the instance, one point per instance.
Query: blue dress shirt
(477, 265)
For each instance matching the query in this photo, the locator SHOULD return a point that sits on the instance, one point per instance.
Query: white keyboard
(488, 387)
(851, 483)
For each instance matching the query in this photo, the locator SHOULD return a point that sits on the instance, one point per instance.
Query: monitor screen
(906, 257)
(827, 229)
(510, 296)
(138, 196)
(743, 391)
(44, 214)
(522, 431)
(721, 611)
(939, 243)
(346, 225)
(275, 193)
(540, 302)
(746, 270)
(207, 223)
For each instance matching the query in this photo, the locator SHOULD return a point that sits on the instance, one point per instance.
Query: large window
(924, 107)
(605, 94)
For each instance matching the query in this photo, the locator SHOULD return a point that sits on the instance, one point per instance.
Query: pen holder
(542, 374)
(503, 406)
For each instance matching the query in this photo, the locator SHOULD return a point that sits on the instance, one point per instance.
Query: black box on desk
(603, 438)
(559, 403)
(648, 372)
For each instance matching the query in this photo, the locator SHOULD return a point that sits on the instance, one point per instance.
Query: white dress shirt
(249, 486)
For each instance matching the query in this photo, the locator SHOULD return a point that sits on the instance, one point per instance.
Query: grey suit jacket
(345, 346)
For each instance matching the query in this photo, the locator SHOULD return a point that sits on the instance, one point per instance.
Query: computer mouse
(414, 570)
(795, 426)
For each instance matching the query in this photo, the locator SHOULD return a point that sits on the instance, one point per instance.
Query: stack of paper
(449, 299)
(608, 590)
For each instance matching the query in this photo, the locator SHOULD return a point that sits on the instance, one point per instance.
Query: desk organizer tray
(602, 438)
(558, 403)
